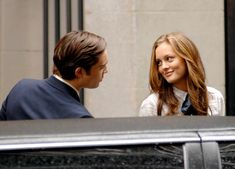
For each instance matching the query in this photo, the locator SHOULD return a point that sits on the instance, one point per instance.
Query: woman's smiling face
(170, 66)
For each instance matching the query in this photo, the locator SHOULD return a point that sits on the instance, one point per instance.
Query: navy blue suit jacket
(42, 99)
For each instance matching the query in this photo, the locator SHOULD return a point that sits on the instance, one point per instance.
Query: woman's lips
(168, 74)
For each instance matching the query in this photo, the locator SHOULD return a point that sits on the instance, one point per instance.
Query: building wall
(130, 28)
(21, 42)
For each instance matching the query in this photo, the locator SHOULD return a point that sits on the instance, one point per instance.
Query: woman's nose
(165, 65)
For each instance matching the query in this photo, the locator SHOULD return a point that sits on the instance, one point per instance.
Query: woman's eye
(170, 58)
(159, 62)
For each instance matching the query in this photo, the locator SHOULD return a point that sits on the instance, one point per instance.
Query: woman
(177, 81)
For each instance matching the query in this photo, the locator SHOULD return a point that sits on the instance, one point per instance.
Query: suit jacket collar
(62, 86)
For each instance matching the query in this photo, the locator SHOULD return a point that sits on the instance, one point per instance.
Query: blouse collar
(180, 94)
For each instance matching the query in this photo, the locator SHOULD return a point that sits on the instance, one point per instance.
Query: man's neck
(66, 82)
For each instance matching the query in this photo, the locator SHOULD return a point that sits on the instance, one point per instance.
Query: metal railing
(57, 28)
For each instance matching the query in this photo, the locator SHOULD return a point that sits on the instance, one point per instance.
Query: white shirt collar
(62, 80)
(180, 94)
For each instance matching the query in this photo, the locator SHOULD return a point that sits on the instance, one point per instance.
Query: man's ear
(78, 72)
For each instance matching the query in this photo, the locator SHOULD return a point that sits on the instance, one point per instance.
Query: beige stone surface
(21, 42)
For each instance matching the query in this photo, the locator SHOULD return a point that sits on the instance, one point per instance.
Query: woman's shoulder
(152, 97)
(150, 101)
(214, 92)
(216, 102)
(148, 106)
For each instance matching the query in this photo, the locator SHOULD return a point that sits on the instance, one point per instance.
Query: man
(80, 60)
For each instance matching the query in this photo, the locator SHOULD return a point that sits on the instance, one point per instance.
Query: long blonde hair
(197, 90)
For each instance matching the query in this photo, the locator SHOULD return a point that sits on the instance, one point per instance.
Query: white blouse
(216, 103)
